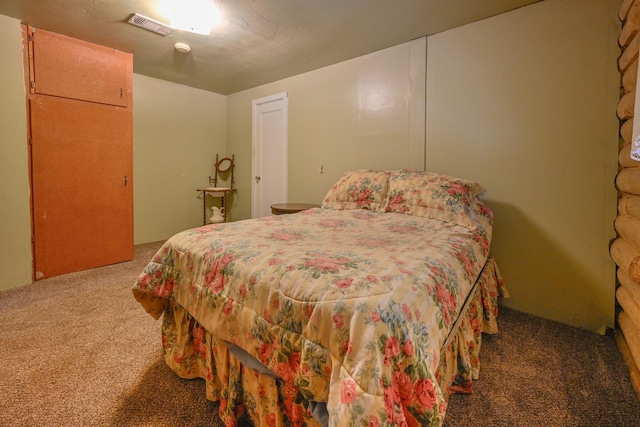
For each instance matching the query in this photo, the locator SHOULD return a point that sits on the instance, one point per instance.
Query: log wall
(625, 249)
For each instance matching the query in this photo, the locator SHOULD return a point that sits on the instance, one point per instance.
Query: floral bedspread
(347, 307)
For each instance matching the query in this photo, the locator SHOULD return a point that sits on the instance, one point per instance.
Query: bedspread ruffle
(460, 362)
(193, 352)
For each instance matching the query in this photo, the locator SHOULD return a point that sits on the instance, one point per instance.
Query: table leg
(204, 208)
(223, 204)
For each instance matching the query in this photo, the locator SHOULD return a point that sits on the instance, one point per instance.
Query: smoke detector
(149, 24)
(182, 47)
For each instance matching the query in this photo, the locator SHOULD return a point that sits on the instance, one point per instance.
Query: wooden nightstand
(289, 208)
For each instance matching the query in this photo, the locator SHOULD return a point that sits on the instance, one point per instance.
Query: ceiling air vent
(149, 24)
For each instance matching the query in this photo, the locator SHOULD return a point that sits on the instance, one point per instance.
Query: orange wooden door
(82, 189)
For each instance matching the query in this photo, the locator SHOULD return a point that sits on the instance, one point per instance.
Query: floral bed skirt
(193, 352)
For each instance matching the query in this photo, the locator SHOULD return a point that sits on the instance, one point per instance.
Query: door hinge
(30, 141)
(33, 239)
(121, 93)
(33, 85)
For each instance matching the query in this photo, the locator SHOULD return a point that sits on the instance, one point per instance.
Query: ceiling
(259, 41)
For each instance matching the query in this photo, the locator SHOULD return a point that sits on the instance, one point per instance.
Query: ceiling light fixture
(196, 16)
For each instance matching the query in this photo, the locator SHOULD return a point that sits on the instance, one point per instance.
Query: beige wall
(178, 131)
(364, 113)
(525, 103)
(15, 228)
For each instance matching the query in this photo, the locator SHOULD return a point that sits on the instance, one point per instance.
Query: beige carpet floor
(78, 350)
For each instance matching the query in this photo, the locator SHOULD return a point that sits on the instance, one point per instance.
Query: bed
(366, 311)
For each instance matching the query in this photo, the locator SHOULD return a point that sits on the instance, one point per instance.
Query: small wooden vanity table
(289, 208)
(222, 166)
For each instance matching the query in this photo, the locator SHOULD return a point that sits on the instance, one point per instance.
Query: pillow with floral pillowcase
(359, 189)
(432, 195)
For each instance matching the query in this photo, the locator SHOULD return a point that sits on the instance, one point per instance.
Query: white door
(269, 157)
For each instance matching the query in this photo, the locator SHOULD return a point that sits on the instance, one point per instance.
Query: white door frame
(279, 101)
